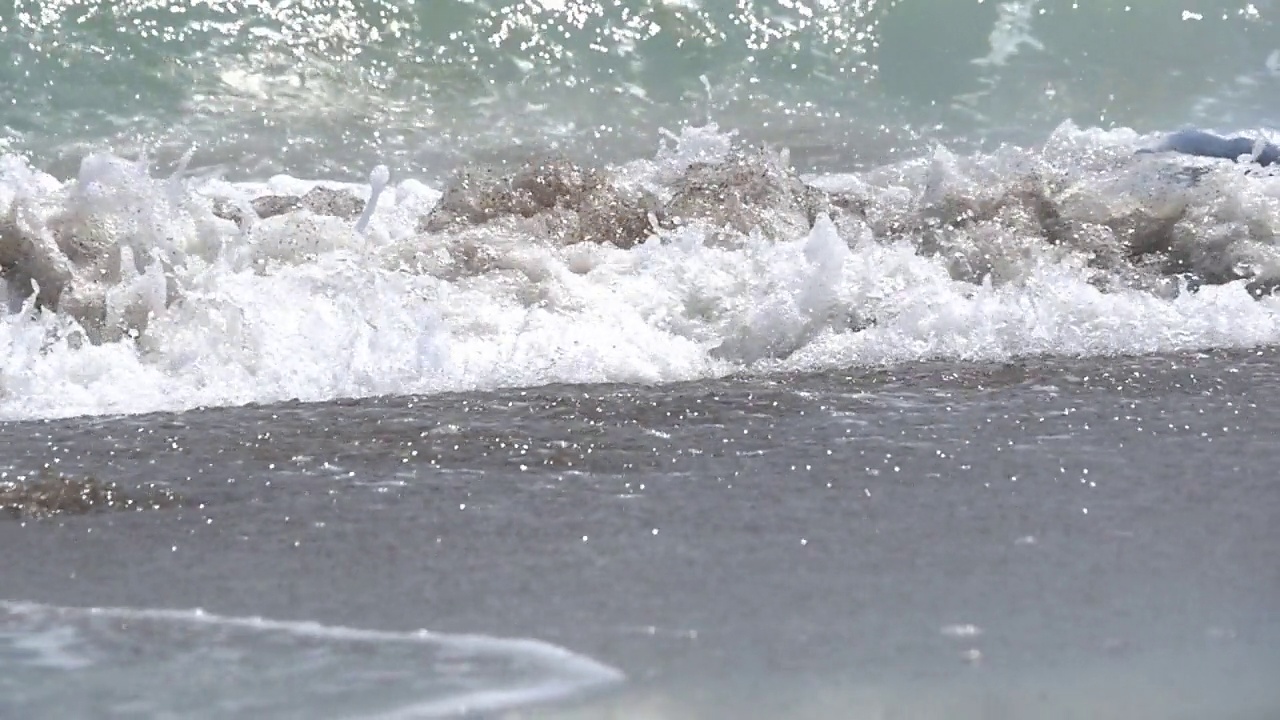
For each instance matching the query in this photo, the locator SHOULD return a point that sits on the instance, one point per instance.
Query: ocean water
(642, 358)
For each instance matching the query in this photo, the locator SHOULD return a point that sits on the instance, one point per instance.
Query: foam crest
(130, 293)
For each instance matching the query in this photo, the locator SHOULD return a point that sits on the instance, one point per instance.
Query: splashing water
(129, 293)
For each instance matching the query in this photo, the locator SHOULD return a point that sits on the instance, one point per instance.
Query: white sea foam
(64, 661)
(161, 305)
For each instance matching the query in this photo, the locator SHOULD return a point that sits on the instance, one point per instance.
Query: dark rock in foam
(582, 203)
(319, 200)
(749, 191)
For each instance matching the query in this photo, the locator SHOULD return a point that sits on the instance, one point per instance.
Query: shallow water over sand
(1047, 538)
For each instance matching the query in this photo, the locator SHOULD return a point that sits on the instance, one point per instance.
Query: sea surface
(645, 359)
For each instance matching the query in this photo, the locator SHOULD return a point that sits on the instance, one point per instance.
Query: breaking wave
(129, 291)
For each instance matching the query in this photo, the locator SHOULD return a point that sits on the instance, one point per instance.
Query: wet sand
(925, 533)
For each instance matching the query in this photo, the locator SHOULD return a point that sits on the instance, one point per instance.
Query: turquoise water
(323, 88)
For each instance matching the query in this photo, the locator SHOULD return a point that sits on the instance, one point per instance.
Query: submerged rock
(580, 204)
(319, 200)
(750, 191)
(747, 192)
(334, 203)
(52, 494)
